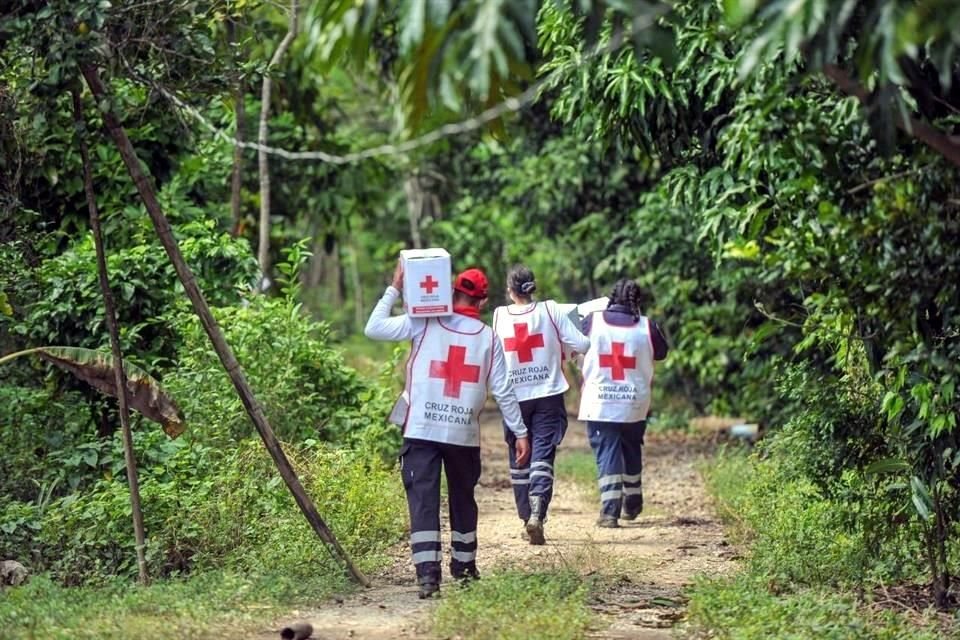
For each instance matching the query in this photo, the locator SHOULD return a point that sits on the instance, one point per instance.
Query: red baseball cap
(472, 282)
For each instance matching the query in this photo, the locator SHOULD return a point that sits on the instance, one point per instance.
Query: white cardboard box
(427, 283)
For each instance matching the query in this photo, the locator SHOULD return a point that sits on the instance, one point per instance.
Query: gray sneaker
(607, 522)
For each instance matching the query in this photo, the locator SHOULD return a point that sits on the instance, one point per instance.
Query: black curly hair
(627, 293)
(521, 281)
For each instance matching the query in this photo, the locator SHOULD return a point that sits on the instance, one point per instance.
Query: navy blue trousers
(618, 449)
(546, 421)
(420, 464)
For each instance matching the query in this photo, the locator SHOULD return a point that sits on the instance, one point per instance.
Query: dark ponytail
(521, 282)
(626, 293)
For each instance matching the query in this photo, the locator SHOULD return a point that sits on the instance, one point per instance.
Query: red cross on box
(522, 342)
(429, 284)
(455, 371)
(618, 361)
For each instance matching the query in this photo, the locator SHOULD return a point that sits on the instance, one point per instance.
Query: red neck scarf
(467, 310)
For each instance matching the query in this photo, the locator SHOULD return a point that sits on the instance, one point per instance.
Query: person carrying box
(454, 361)
(533, 335)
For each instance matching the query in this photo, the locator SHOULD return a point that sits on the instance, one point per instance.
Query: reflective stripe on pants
(618, 450)
(420, 465)
(546, 421)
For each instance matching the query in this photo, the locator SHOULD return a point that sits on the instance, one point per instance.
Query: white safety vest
(617, 372)
(447, 379)
(534, 353)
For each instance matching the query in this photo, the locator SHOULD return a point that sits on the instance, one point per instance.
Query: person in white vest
(615, 399)
(533, 335)
(454, 360)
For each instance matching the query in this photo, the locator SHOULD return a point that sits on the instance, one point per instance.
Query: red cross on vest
(455, 371)
(429, 284)
(618, 361)
(522, 342)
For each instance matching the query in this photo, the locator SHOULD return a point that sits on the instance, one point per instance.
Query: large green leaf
(96, 369)
(921, 498)
(887, 465)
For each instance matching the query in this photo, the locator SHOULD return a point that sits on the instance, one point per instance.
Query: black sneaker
(427, 589)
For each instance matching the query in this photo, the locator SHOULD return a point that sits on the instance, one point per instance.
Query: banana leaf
(96, 369)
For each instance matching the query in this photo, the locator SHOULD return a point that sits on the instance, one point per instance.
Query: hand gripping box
(427, 283)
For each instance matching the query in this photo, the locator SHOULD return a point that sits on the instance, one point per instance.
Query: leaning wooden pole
(254, 410)
(112, 329)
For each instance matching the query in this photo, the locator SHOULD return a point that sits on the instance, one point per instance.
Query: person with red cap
(534, 336)
(454, 361)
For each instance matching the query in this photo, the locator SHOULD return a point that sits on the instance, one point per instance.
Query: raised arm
(570, 335)
(381, 325)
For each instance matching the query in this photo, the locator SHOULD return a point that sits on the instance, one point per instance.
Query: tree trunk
(239, 94)
(930, 136)
(121, 377)
(358, 311)
(263, 251)
(333, 272)
(411, 186)
(232, 367)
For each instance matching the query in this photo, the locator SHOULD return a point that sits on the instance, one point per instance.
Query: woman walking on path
(618, 374)
(448, 375)
(533, 335)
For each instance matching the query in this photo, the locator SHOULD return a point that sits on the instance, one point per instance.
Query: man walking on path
(533, 335)
(618, 374)
(453, 362)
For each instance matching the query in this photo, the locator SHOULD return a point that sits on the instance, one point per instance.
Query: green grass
(579, 467)
(216, 604)
(255, 555)
(803, 563)
(744, 608)
(516, 606)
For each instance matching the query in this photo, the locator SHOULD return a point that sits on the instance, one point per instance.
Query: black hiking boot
(607, 522)
(427, 589)
(429, 585)
(632, 514)
(534, 526)
(465, 575)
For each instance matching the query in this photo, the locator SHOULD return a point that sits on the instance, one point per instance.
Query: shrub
(206, 508)
(302, 383)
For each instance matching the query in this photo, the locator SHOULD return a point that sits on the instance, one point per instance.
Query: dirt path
(645, 564)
